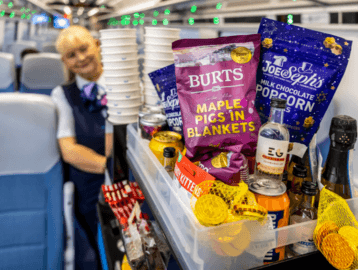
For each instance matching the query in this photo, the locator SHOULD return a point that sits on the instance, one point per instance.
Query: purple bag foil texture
(164, 82)
(229, 167)
(216, 81)
(304, 67)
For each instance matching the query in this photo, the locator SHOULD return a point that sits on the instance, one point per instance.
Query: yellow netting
(213, 203)
(336, 233)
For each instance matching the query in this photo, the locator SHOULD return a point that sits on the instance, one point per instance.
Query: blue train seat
(41, 73)
(31, 180)
(8, 73)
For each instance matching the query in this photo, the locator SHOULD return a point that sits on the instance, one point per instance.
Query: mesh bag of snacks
(336, 233)
(213, 203)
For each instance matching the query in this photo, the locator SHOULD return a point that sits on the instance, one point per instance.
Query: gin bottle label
(271, 155)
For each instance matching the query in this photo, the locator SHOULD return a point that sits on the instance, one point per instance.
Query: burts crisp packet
(164, 82)
(304, 67)
(216, 82)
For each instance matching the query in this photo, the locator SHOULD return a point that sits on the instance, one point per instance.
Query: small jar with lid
(169, 155)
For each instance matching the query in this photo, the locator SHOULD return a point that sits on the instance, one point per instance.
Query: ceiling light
(75, 20)
(93, 12)
(80, 11)
(100, 2)
(82, 1)
(67, 10)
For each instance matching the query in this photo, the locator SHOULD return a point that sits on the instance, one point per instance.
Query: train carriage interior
(36, 197)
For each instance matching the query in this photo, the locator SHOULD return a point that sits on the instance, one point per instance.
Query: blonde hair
(72, 36)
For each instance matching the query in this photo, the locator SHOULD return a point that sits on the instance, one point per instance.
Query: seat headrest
(19, 46)
(7, 74)
(28, 128)
(43, 71)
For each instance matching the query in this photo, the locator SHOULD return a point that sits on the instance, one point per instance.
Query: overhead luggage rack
(202, 248)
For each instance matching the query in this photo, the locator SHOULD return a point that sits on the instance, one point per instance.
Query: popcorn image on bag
(267, 43)
(328, 42)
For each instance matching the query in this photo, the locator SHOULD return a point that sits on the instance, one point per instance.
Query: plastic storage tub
(238, 245)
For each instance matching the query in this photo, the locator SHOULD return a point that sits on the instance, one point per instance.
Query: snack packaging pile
(144, 248)
(303, 66)
(216, 82)
(336, 233)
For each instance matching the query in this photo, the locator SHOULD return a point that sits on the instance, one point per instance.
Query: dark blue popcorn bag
(164, 81)
(304, 67)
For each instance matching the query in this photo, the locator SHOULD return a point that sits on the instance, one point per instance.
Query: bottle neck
(297, 183)
(276, 115)
(336, 167)
(307, 201)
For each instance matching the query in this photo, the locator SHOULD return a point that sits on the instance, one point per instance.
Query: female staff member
(82, 126)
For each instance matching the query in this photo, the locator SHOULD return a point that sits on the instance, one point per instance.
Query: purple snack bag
(216, 82)
(303, 66)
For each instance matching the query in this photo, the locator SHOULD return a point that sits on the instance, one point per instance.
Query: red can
(278, 209)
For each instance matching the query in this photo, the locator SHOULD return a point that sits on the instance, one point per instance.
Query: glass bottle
(169, 158)
(295, 160)
(306, 211)
(295, 193)
(272, 147)
(343, 135)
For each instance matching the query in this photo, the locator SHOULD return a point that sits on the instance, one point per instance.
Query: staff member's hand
(84, 158)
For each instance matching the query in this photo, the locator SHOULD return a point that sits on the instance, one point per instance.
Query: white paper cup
(122, 79)
(161, 31)
(119, 56)
(123, 94)
(161, 40)
(118, 41)
(137, 100)
(152, 100)
(158, 47)
(149, 86)
(150, 92)
(134, 109)
(150, 69)
(120, 71)
(158, 62)
(122, 87)
(168, 56)
(119, 64)
(122, 119)
(114, 33)
(118, 48)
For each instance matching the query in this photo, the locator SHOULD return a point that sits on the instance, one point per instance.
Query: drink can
(278, 210)
(152, 123)
(259, 187)
(142, 111)
(165, 139)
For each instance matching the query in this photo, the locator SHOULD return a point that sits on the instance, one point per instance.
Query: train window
(177, 21)
(256, 19)
(283, 18)
(334, 17)
(204, 20)
(350, 17)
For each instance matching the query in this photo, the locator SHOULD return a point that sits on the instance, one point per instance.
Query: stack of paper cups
(158, 54)
(120, 65)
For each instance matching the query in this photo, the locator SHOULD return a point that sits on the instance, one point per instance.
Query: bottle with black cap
(335, 176)
(169, 158)
(272, 150)
(306, 211)
(295, 194)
